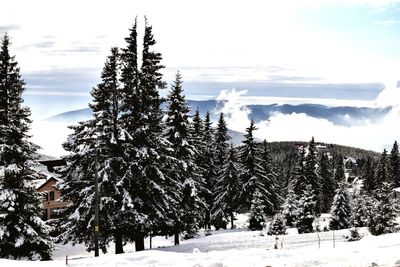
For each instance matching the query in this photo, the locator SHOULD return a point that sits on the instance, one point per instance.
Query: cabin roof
(47, 181)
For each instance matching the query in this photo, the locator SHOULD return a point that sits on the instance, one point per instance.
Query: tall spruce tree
(208, 172)
(298, 181)
(227, 190)
(130, 91)
(368, 176)
(221, 142)
(98, 140)
(151, 186)
(339, 171)
(394, 166)
(135, 121)
(23, 234)
(341, 209)
(271, 178)
(328, 183)
(197, 131)
(221, 145)
(253, 176)
(310, 172)
(185, 172)
(381, 171)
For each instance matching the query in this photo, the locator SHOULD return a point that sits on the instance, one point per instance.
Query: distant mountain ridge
(344, 116)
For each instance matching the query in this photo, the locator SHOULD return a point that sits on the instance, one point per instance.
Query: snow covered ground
(239, 247)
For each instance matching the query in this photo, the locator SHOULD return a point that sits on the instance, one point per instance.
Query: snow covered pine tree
(384, 211)
(23, 234)
(205, 162)
(221, 138)
(188, 217)
(341, 209)
(253, 176)
(278, 226)
(227, 190)
(95, 145)
(306, 215)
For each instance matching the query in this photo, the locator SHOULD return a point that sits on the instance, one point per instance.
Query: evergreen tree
(394, 166)
(221, 142)
(208, 172)
(130, 91)
(221, 150)
(98, 140)
(341, 210)
(185, 172)
(135, 121)
(306, 213)
(149, 156)
(197, 132)
(271, 178)
(22, 231)
(257, 216)
(362, 206)
(328, 183)
(311, 174)
(381, 171)
(228, 188)
(253, 176)
(384, 211)
(278, 226)
(290, 208)
(339, 172)
(298, 181)
(368, 176)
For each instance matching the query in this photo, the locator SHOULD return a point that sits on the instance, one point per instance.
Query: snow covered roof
(397, 189)
(39, 182)
(350, 159)
(45, 167)
(43, 183)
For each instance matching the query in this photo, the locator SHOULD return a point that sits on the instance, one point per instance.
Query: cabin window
(51, 195)
(46, 196)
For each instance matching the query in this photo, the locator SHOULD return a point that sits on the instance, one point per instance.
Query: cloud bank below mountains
(373, 135)
(363, 132)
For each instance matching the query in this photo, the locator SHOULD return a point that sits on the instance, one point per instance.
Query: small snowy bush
(278, 225)
(354, 235)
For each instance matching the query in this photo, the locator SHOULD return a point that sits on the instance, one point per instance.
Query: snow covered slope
(231, 248)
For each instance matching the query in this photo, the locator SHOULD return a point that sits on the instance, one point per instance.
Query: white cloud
(236, 114)
(301, 127)
(390, 96)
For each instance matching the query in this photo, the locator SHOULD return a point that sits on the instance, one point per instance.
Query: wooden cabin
(52, 195)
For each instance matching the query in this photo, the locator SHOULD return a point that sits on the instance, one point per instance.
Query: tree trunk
(119, 246)
(232, 225)
(151, 241)
(176, 238)
(207, 220)
(139, 242)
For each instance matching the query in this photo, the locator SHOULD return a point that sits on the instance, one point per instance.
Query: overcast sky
(339, 52)
(61, 45)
